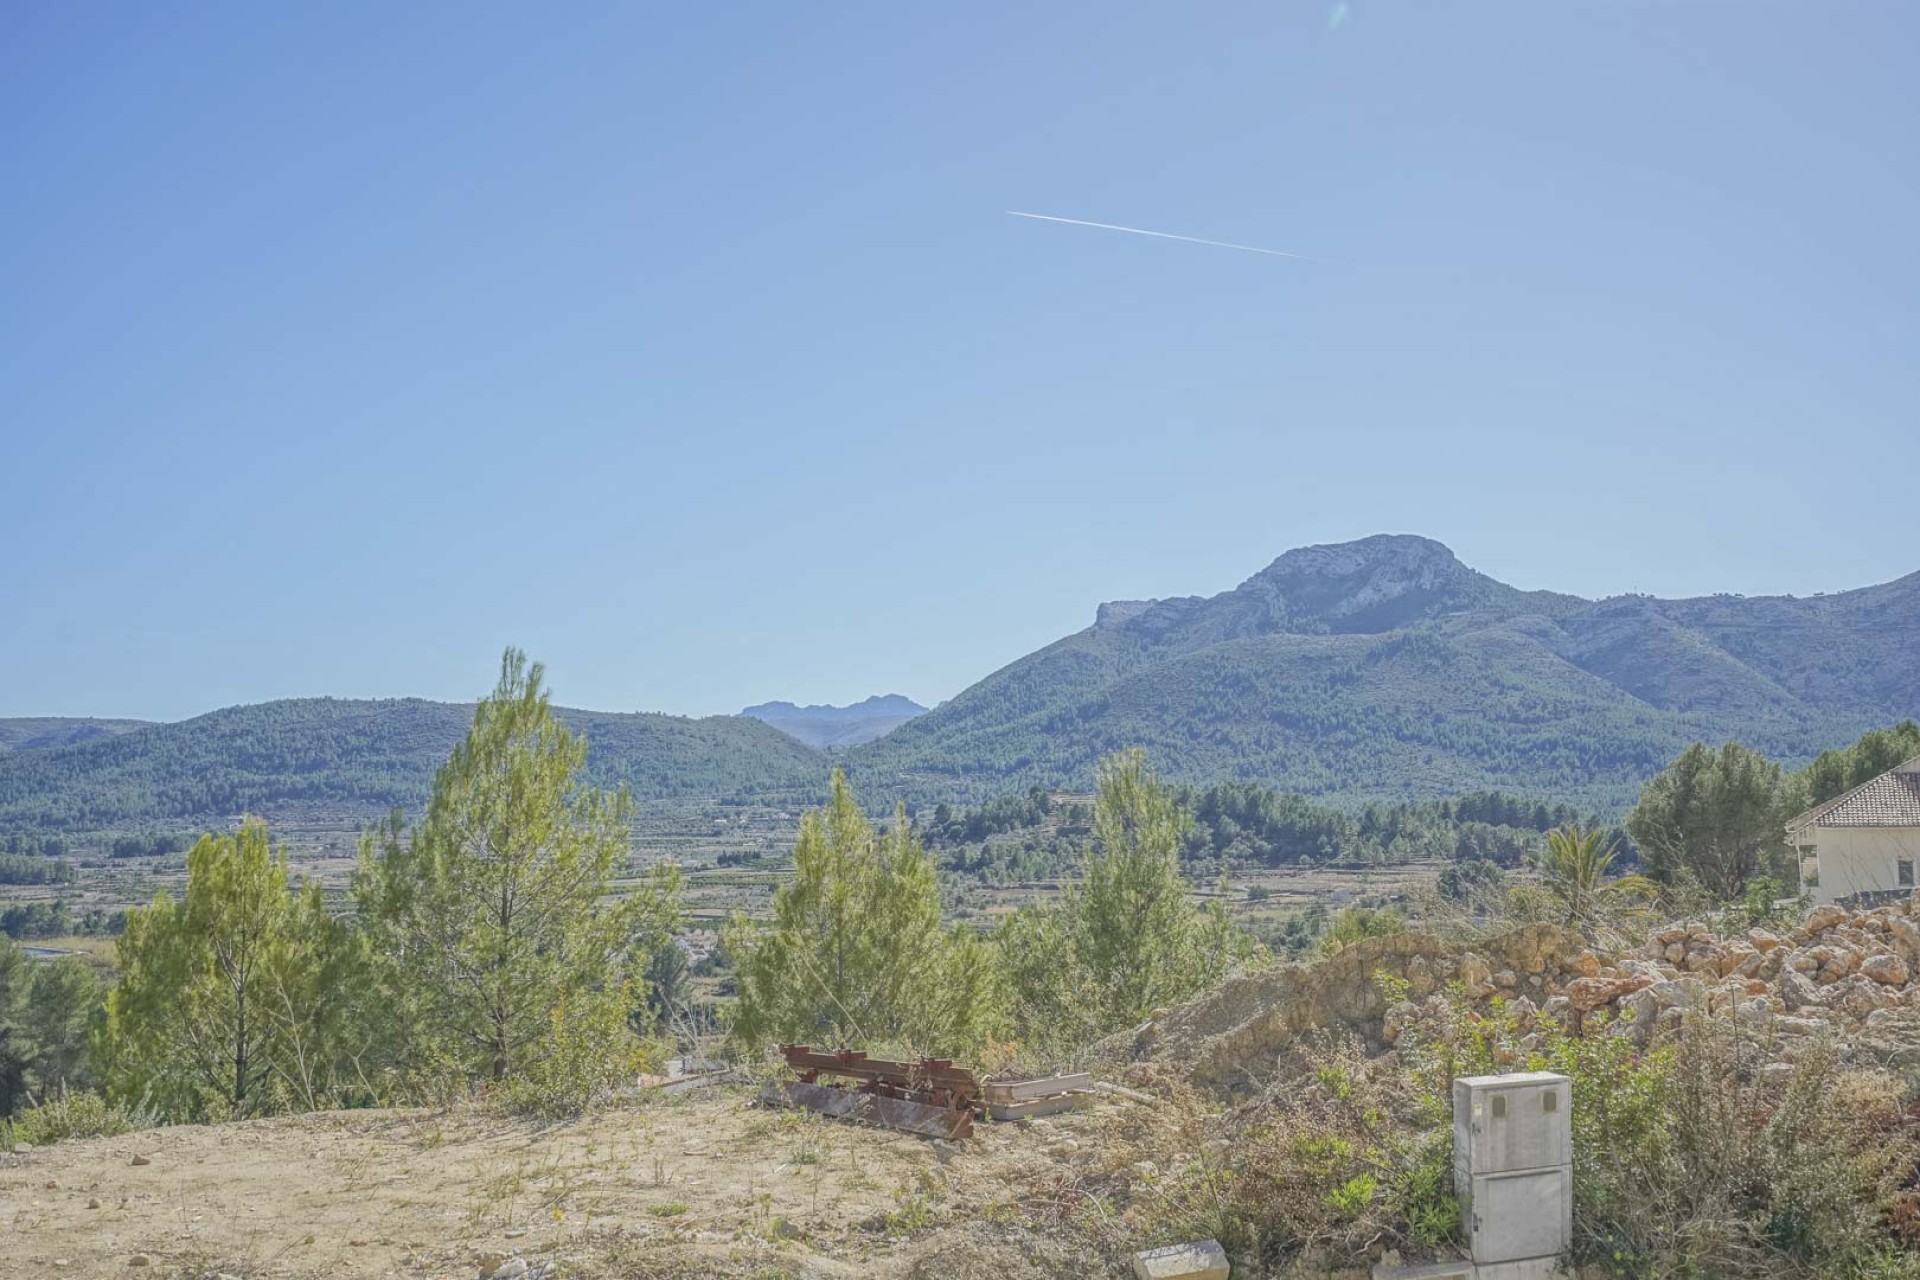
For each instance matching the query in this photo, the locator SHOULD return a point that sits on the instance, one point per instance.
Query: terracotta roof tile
(1890, 800)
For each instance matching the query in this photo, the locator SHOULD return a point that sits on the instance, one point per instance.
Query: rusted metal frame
(935, 1081)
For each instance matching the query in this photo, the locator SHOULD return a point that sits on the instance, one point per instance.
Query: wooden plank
(1045, 1086)
(1047, 1106)
(893, 1113)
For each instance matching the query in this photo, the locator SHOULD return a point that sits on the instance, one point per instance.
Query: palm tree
(1574, 866)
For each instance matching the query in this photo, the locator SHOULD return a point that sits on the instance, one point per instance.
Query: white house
(1866, 841)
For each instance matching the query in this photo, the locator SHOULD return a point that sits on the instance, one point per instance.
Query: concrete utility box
(1503, 1124)
(1513, 1171)
(1510, 1216)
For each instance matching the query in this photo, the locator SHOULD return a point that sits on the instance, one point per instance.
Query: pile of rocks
(1237, 1033)
(1849, 973)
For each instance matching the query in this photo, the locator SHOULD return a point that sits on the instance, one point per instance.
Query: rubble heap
(1841, 972)
(1854, 975)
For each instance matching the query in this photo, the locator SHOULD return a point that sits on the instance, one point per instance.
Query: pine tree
(494, 914)
(17, 1050)
(1126, 939)
(856, 952)
(61, 1003)
(196, 1021)
(1716, 815)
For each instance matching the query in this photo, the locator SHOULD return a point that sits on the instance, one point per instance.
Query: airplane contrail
(1161, 235)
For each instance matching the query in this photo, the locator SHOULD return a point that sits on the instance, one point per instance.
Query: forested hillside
(1387, 669)
(36, 733)
(358, 759)
(1236, 825)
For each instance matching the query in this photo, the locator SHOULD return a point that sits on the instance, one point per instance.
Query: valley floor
(705, 1184)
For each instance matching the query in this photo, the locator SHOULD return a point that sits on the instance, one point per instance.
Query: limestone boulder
(1797, 990)
(1475, 975)
(1679, 993)
(1822, 918)
(1584, 995)
(1886, 969)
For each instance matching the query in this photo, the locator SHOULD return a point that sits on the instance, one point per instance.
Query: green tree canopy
(1834, 773)
(1718, 815)
(1126, 939)
(495, 915)
(236, 998)
(856, 952)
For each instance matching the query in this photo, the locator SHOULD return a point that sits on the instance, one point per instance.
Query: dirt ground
(706, 1183)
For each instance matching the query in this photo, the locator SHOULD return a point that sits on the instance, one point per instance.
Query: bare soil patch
(704, 1184)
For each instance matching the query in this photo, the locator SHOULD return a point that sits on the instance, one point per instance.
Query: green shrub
(1355, 924)
(1323, 1167)
(591, 1050)
(74, 1115)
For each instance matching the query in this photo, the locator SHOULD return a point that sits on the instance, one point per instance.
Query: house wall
(1861, 859)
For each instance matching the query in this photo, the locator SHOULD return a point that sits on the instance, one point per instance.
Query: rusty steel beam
(937, 1076)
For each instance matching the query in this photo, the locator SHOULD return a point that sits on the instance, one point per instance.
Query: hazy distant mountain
(824, 726)
(37, 732)
(356, 760)
(1385, 667)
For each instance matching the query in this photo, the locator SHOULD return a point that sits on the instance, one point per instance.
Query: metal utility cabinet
(1513, 1165)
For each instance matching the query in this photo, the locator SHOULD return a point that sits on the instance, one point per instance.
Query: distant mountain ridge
(1386, 667)
(1383, 668)
(829, 726)
(357, 759)
(37, 733)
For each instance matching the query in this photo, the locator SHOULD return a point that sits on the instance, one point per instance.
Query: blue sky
(690, 347)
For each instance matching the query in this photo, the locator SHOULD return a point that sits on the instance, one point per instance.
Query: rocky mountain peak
(1388, 559)
(1371, 584)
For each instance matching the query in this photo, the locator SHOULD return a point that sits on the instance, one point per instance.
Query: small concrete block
(1197, 1260)
(1425, 1271)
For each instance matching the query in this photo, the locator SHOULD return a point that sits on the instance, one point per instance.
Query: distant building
(1866, 843)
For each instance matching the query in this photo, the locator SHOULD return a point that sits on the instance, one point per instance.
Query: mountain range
(355, 759)
(849, 726)
(1382, 668)
(1387, 668)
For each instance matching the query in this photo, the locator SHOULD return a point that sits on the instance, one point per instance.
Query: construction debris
(930, 1097)
(1045, 1096)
